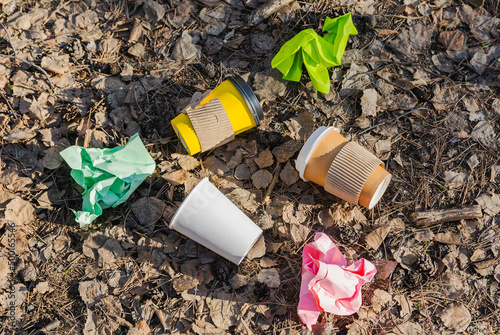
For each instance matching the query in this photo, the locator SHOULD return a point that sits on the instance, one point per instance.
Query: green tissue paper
(108, 176)
(316, 53)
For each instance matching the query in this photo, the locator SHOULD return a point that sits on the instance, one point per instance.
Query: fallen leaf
(270, 277)
(265, 159)
(376, 237)
(301, 126)
(456, 317)
(20, 212)
(289, 174)
(452, 40)
(215, 166)
(286, 151)
(148, 211)
(384, 268)
(186, 162)
(177, 177)
(262, 178)
(490, 203)
(258, 250)
(369, 101)
(92, 291)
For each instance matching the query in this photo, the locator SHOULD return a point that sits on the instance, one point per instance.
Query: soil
(418, 87)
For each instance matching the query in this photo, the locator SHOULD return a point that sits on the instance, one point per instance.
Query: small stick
(10, 42)
(446, 215)
(31, 64)
(390, 121)
(267, 10)
(12, 111)
(273, 184)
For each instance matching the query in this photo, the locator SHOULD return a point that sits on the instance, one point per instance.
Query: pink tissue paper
(329, 284)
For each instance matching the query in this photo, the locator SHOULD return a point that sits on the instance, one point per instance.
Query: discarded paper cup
(241, 107)
(209, 218)
(343, 168)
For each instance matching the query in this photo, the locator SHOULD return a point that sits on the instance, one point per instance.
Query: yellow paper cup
(239, 102)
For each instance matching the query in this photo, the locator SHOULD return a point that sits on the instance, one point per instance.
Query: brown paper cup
(343, 168)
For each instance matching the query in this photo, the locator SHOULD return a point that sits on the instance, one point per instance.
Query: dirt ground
(418, 86)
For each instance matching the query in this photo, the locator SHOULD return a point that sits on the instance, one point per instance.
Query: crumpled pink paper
(328, 283)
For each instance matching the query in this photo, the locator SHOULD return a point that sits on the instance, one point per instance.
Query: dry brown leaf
(447, 238)
(186, 162)
(270, 277)
(369, 102)
(285, 151)
(456, 317)
(265, 159)
(376, 237)
(325, 217)
(289, 174)
(384, 267)
(177, 177)
(301, 126)
(20, 212)
(262, 178)
(453, 40)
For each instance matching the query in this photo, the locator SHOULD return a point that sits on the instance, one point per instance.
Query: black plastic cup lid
(250, 98)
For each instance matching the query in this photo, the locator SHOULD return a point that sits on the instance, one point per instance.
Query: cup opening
(249, 97)
(179, 135)
(382, 187)
(249, 248)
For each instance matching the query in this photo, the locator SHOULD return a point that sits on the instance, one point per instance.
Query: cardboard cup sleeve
(349, 172)
(207, 117)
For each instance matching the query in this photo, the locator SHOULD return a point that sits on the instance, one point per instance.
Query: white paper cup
(209, 218)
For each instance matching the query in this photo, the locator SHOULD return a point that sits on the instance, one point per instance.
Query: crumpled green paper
(108, 176)
(316, 53)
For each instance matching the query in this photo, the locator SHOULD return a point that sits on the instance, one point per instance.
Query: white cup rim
(309, 147)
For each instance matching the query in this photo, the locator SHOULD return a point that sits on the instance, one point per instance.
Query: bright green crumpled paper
(108, 176)
(315, 52)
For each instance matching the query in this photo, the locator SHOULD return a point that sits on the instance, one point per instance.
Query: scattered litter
(108, 176)
(316, 53)
(328, 283)
(209, 218)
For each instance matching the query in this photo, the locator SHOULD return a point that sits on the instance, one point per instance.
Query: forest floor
(418, 86)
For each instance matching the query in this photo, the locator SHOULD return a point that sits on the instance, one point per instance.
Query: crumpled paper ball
(329, 284)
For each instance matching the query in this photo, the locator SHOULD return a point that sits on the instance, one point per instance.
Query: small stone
(265, 159)
(262, 178)
(242, 172)
(289, 174)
